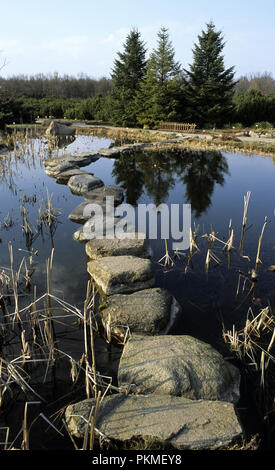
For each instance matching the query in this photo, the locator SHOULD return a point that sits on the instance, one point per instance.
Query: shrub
(238, 125)
(263, 125)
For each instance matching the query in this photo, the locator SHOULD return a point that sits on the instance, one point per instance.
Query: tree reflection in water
(128, 175)
(202, 170)
(157, 173)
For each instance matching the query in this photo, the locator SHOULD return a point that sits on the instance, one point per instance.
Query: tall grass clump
(33, 356)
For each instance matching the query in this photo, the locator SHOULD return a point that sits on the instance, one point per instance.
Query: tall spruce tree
(209, 84)
(127, 74)
(160, 94)
(162, 59)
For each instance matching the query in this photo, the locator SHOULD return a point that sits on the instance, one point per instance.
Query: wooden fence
(177, 126)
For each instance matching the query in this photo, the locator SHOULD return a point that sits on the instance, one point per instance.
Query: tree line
(144, 91)
(55, 85)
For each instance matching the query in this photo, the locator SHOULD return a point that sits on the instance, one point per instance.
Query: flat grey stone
(180, 366)
(116, 151)
(80, 184)
(100, 194)
(62, 166)
(121, 274)
(133, 244)
(112, 152)
(54, 162)
(153, 420)
(87, 209)
(82, 159)
(81, 236)
(63, 176)
(148, 312)
(97, 227)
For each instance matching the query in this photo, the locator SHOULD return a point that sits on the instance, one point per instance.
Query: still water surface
(214, 183)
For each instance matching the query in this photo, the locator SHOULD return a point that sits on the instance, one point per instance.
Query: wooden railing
(177, 126)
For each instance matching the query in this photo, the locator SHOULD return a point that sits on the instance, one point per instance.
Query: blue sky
(73, 37)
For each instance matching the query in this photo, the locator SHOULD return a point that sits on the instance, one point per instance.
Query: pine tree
(209, 85)
(127, 74)
(162, 60)
(160, 94)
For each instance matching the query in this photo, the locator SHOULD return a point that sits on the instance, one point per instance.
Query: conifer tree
(209, 84)
(160, 94)
(162, 59)
(127, 74)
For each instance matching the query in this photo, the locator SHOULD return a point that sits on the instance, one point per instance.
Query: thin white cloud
(10, 46)
(110, 38)
(72, 46)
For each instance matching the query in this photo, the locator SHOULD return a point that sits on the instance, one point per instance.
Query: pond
(212, 297)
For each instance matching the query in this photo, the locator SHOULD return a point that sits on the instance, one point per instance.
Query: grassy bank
(203, 140)
(219, 140)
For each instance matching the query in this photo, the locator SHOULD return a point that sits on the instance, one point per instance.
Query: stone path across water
(153, 365)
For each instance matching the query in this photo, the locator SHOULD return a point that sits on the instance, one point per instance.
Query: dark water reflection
(158, 174)
(214, 184)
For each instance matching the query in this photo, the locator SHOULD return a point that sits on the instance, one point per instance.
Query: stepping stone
(133, 244)
(100, 194)
(64, 176)
(122, 274)
(158, 421)
(115, 152)
(55, 170)
(97, 227)
(180, 366)
(84, 212)
(80, 184)
(80, 236)
(148, 312)
(83, 159)
(79, 160)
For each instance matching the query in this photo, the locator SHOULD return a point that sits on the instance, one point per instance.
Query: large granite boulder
(122, 274)
(80, 184)
(57, 129)
(148, 312)
(155, 421)
(180, 366)
(133, 244)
